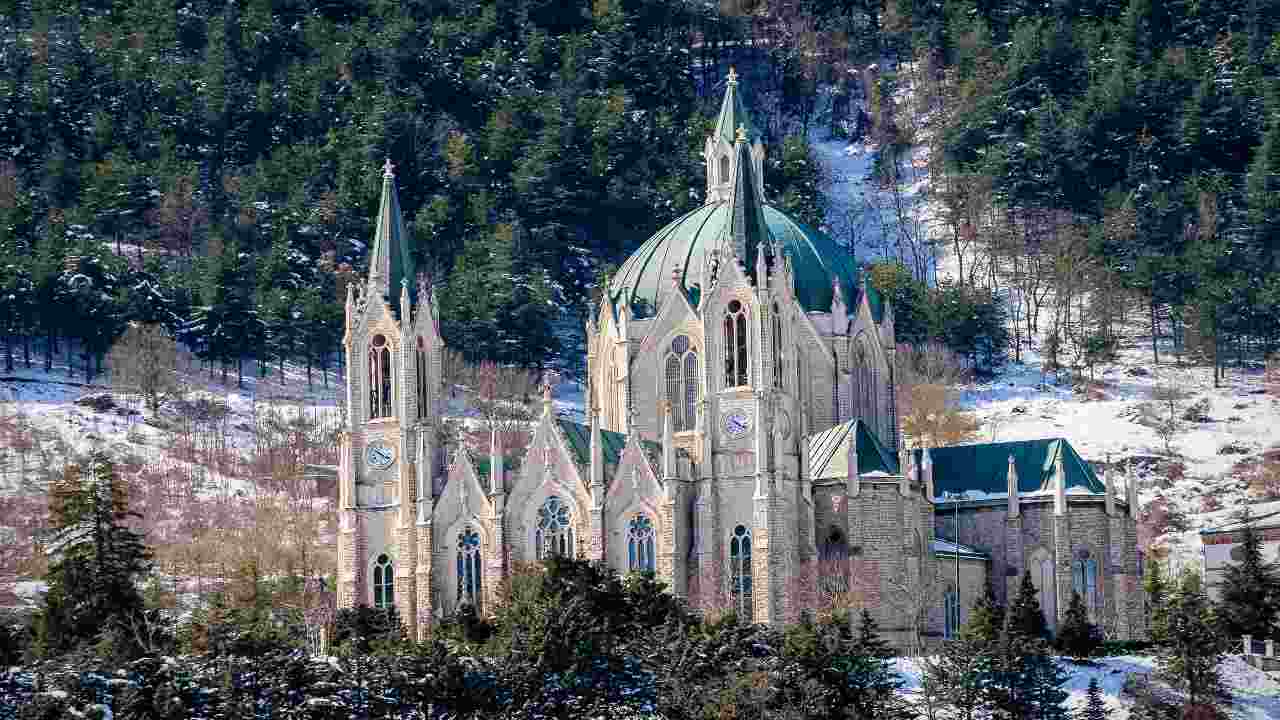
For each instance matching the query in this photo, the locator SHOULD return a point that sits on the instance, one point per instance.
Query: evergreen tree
(871, 678)
(986, 619)
(1192, 646)
(960, 676)
(1095, 707)
(1157, 597)
(1078, 637)
(1025, 618)
(1249, 594)
(93, 580)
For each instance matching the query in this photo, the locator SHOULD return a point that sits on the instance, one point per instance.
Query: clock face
(379, 455)
(737, 423)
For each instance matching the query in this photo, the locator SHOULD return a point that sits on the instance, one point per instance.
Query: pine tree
(1077, 637)
(960, 677)
(1095, 707)
(1157, 593)
(871, 679)
(986, 619)
(1025, 618)
(92, 582)
(1249, 594)
(1192, 646)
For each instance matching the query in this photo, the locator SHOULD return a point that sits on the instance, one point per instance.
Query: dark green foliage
(1249, 593)
(93, 593)
(1025, 618)
(1192, 646)
(1077, 637)
(986, 619)
(1095, 706)
(362, 630)
(1157, 598)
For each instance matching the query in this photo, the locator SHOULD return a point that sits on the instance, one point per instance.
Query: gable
(578, 444)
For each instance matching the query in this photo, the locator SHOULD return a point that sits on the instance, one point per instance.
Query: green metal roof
(578, 436)
(829, 452)
(644, 279)
(484, 464)
(733, 112)
(747, 231)
(984, 467)
(391, 258)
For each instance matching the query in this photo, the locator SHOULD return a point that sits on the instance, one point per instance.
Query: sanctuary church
(742, 444)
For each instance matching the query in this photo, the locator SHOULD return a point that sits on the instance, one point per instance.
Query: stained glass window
(469, 567)
(640, 544)
(682, 383)
(740, 572)
(383, 583)
(554, 535)
(735, 345)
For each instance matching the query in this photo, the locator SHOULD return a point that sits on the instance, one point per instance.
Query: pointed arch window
(640, 543)
(740, 574)
(682, 383)
(736, 368)
(1084, 580)
(724, 168)
(384, 589)
(379, 378)
(777, 348)
(833, 559)
(554, 534)
(1043, 571)
(423, 394)
(469, 572)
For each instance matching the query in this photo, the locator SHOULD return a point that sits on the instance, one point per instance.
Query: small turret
(839, 311)
(1108, 489)
(1059, 485)
(1012, 477)
(496, 485)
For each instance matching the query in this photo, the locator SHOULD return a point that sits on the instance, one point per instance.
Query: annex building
(742, 444)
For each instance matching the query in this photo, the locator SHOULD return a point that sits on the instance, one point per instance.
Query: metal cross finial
(388, 170)
(733, 76)
(742, 133)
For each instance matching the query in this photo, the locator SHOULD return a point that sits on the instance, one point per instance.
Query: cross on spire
(388, 170)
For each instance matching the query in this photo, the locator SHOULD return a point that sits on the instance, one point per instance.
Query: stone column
(406, 591)
(424, 586)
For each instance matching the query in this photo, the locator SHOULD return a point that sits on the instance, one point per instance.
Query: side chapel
(742, 443)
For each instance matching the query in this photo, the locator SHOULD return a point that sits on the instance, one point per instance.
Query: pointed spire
(733, 113)
(747, 232)
(390, 261)
(1059, 484)
(495, 462)
(1110, 491)
(1012, 477)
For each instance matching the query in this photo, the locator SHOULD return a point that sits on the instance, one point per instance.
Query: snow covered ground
(1255, 694)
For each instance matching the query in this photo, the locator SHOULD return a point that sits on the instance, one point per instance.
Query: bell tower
(388, 459)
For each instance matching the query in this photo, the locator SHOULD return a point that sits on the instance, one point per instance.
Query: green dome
(644, 280)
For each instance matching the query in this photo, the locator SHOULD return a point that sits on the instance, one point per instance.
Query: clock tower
(388, 459)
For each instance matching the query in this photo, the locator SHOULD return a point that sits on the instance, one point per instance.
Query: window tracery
(423, 394)
(379, 378)
(554, 534)
(777, 348)
(383, 583)
(682, 383)
(469, 572)
(640, 543)
(740, 572)
(736, 367)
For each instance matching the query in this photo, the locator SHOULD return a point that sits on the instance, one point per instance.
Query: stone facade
(741, 441)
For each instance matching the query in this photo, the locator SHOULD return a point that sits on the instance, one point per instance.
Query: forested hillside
(215, 166)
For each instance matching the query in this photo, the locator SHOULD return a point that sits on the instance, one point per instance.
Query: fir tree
(1250, 590)
(1192, 646)
(871, 679)
(1157, 595)
(986, 619)
(960, 678)
(98, 558)
(1078, 637)
(1025, 617)
(1095, 707)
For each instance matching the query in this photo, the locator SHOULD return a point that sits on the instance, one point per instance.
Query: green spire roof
(390, 263)
(733, 113)
(747, 231)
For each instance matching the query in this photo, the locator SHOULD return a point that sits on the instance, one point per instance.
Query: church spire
(748, 234)
(733, 113)
(390, 262)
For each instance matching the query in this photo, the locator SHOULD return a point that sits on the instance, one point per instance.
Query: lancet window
(682, 383)
(640, 543)
(1084, 580)
(423, 389)
(384, 590)
(379, 378)
(740, 572)
(469, 567)
(736, 367)
(777, 348)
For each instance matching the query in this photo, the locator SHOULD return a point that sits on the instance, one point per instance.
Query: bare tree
(145, 361)
(1165, 409)
(503, 396)
(911, 593)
